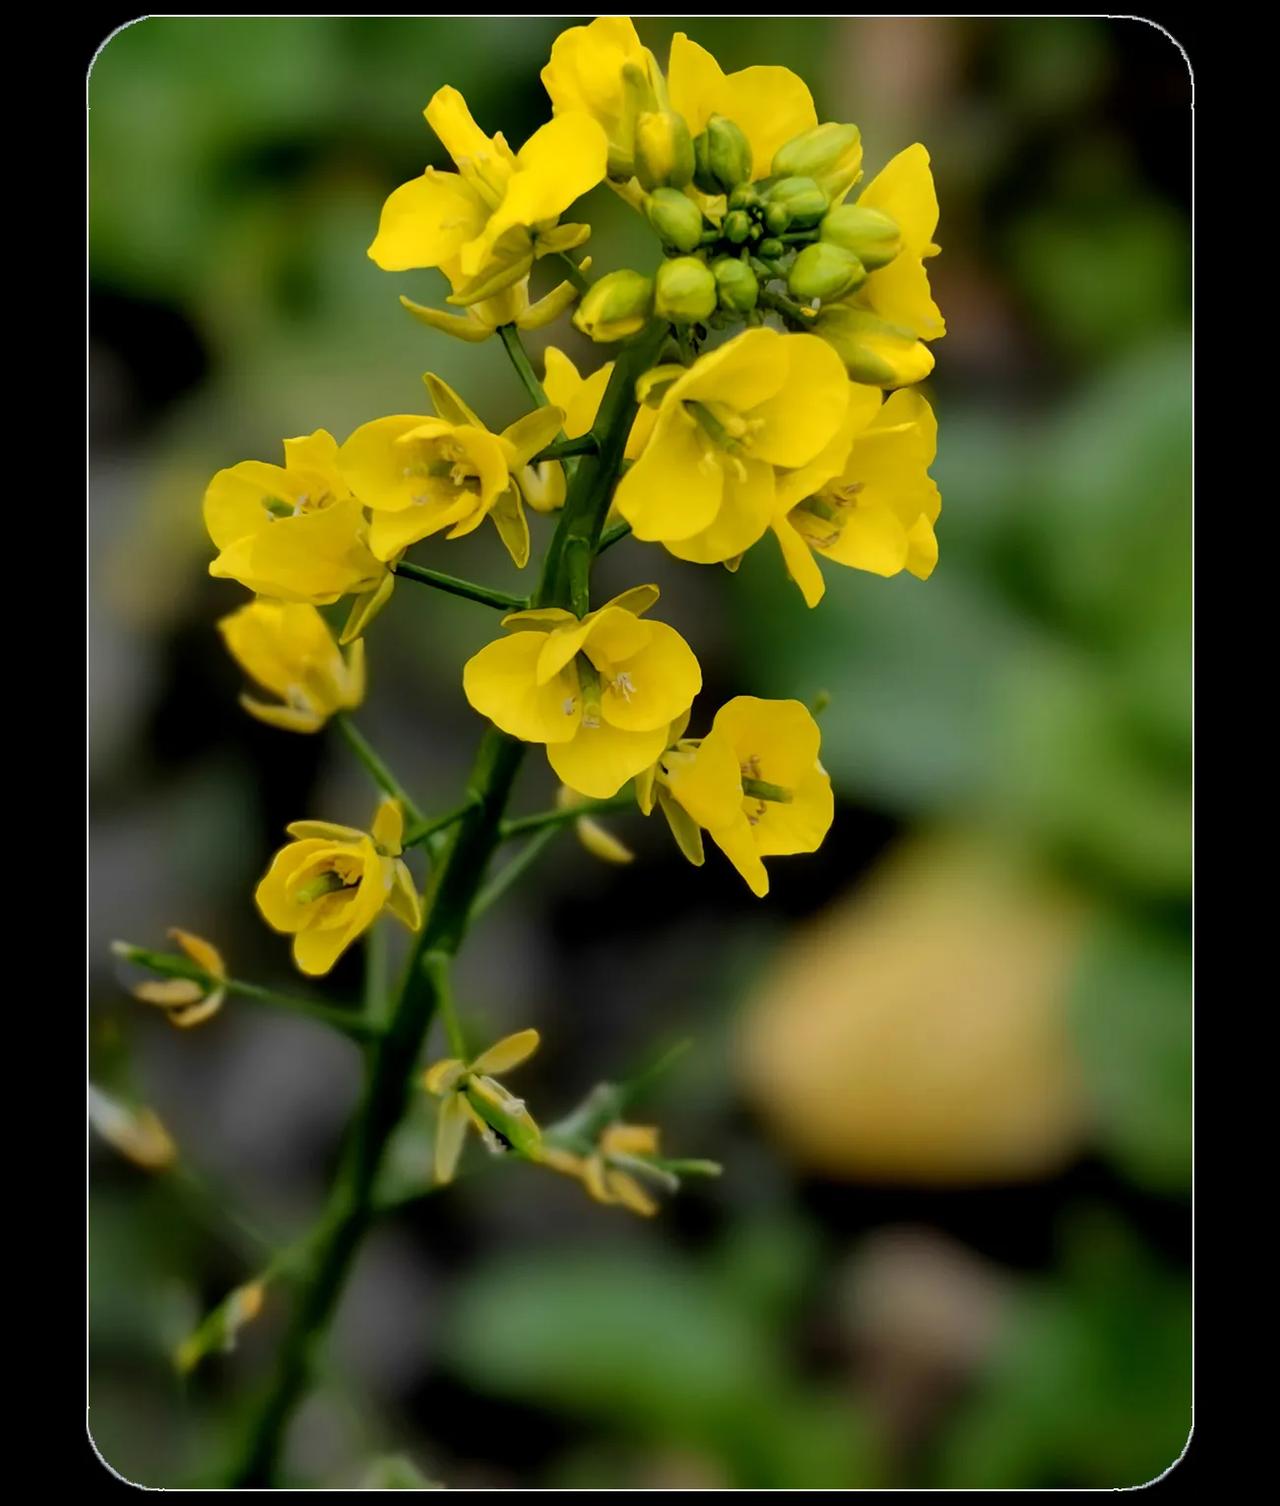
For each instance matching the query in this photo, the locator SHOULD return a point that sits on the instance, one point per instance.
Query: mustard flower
(288, 649)
(602, 70)
(472, 1096)
(291, 532)
(878, 513)
(580, 399)
(420, 475)
(486, 223)
(600, 691)
(609, 1172)
(329, 886)
(482, 319)
(185, 1001)
(881, 329)
(754, 784)
(705, 485)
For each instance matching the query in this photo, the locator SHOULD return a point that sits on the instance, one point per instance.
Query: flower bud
(803, 200)
(824, 270)
(664, 150)
(736, 285)
(677, 220)
(685, 291)
(724, 161)
(745, 196)
(615, 307)
(737, 226)
(776, 218)
(771, 247)
(873, 350)
(830, 154)
(873, 237)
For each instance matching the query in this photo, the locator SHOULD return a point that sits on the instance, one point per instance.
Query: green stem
(510, 337)
(562, 815)
(437, 967)
(172, 966)
(572, 271)
(425, 829)
(486, 596)
(520, 864)
(585, 444)
(378, 770)
(456, 883)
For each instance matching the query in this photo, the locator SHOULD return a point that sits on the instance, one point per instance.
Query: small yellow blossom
(599, 691)
(472, 1096)
(705, 485)
(482, 319)
(602, 70)
(608, 1173)
(599, 841)
(419, 476)
(288, 649)
(328, 887)
(135, 1132)
(878, 513)
(753, 783)
(880, 330)
(291, 532)
(770, 105)
(580, 398)
(486, 223)
(185, 1001)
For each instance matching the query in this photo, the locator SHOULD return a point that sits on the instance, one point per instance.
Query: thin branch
(612, 536)
(378, 770)
(521, 826)
(521, 863)
(510, 337)
(485, 595)
(425, 829)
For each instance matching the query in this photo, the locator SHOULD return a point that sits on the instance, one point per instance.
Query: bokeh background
(946, 1064)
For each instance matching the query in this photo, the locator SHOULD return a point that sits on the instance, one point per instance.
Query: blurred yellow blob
(917, 1032)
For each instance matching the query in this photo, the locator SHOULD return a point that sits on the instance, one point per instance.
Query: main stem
(565, 582)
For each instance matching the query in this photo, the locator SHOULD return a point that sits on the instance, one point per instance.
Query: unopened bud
(803, 200)
(830, 154)
(771, 247)
(873, 237)
(745, 196)
(737, 226)
(664, 150)
(873, 350)
(736, 286)
(615, 307)
(825, 271)
(777, 218)
(724, 159)
(685, 291)
(677, 219)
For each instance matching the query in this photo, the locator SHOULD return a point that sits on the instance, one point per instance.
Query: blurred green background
(946, 1063)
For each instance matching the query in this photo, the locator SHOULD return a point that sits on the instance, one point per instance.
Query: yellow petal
(234, 501)
(448, 404)
(742, 373)
(403, 900)
(904, 190)
(737, 843)
(628, 1191)
(324, 831)
(593, 1179)
(578, 397)
(316, 949)
(442, 1075)
(922, 549)
(468, 327)
(388, 826)
(186, 1016)
(805, 413)
(601, 843)
(507, 1053)
(800, 563)
(203, 953)
(706, 780)
(598, 761)
(630, 1140)
(636, 599)
(684, 828)
(284, 718)
(508, 518)
(900, 293)
(675, 488)
(314, 557)
(871, 539)
(746, 510)
(650, 688)
(373, 465)
(487, 159)
(169, 994)
(500, 682)
(801, 823)
(548, 308)
(363, 610)
(780, 738)
(451, 1128)
(427, 221)
(532, 433)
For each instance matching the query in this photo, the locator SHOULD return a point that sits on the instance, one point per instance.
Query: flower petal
(599, 760)
(451, 1128)
(500, 682)
(507, 1053)
(427, 221)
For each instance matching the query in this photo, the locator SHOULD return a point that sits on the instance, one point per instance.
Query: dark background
(946, 1063)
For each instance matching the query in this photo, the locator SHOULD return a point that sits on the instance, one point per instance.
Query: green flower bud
(771, 247)
(830, 154)
(736, 285)
(803, 200)
(873, 237)
(685, 291)
(744, 197)
(664, 150)
(737, 226)
(777, 218)
(725, 160)
(677, 220)
(873, 350)
(824, 271)
(615, 307)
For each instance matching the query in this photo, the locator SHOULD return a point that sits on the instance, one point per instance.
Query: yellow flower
(770, 105)
(753, 783)
(135, 1132)
(878, 513)
(881, 328)
(185, 1001)
(602, 70)
(418, 475)
(473, 1097)
(485, 223)
(705, 485)
(292, 532)
(288, 649)
(608, 1173)
(599, 691)
(510, 306)
(330, 885)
